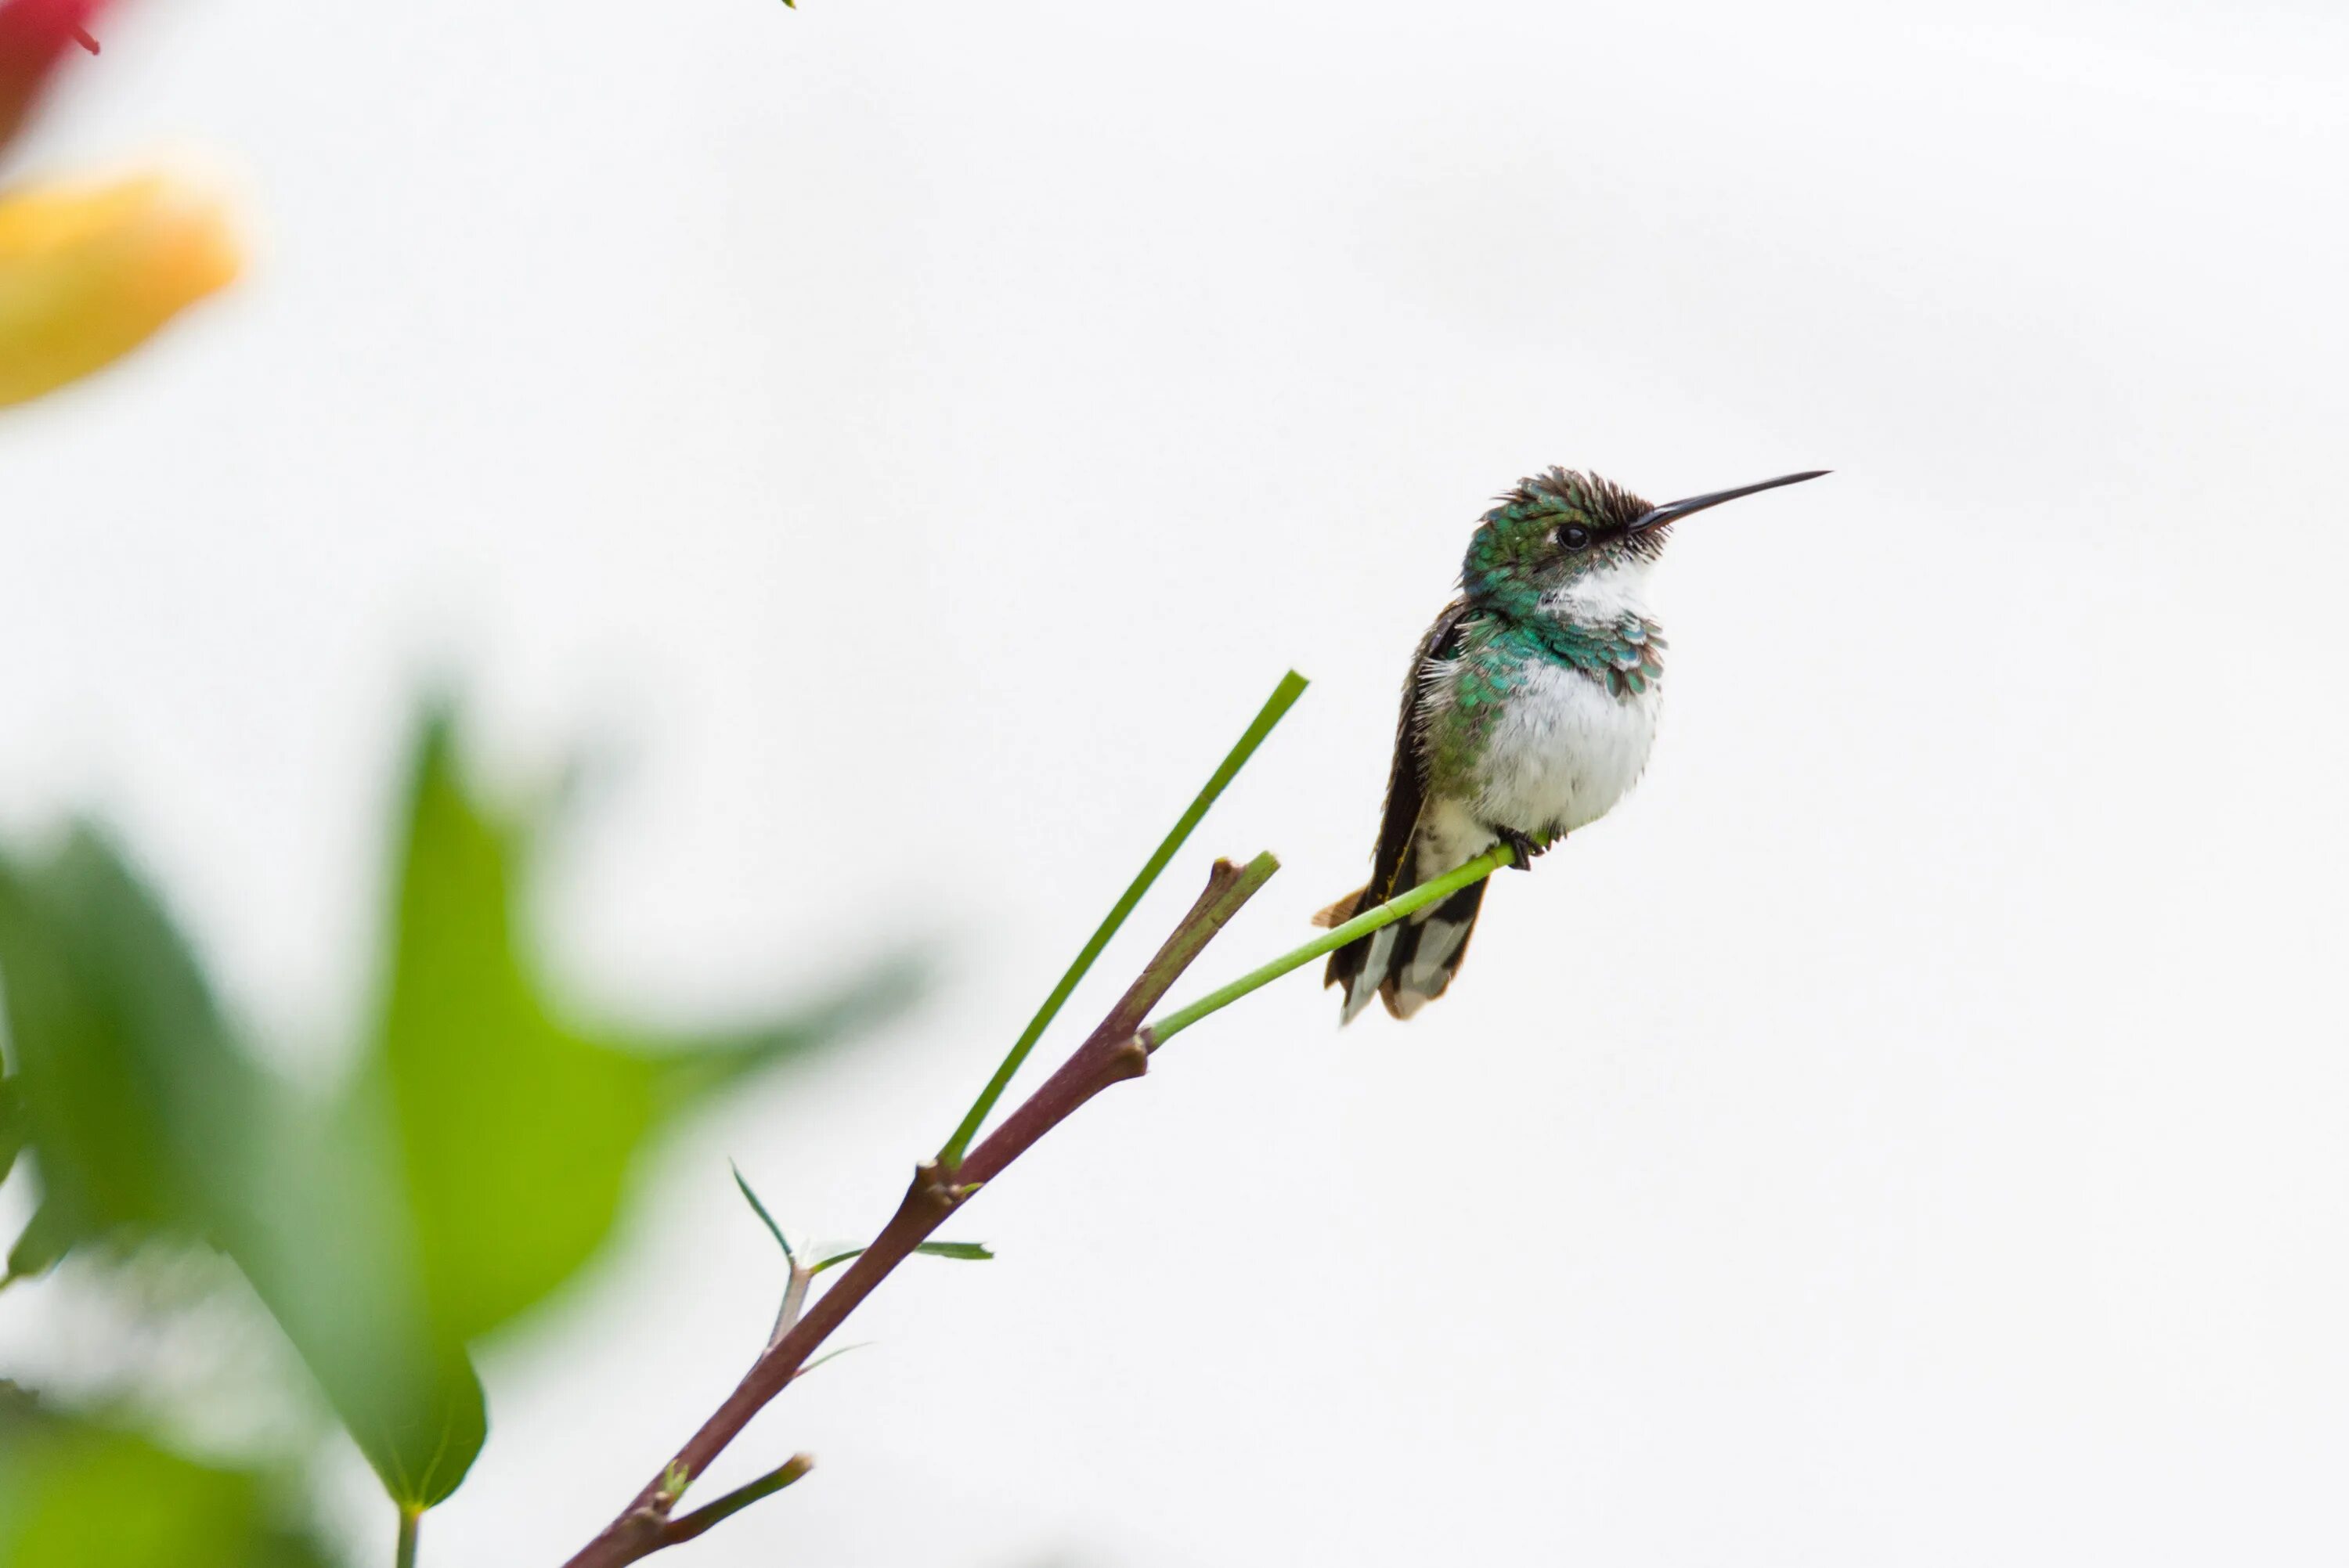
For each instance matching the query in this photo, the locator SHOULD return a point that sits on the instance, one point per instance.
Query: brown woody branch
(1111, 1053)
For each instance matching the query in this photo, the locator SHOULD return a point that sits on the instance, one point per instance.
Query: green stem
(404, 1556)
(1157, 1034)
(795, 1297)
(1284, 695)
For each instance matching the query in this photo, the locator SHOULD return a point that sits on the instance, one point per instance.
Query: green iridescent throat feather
(1496, 654)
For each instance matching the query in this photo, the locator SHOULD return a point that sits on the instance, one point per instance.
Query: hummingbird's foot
(1523, 845)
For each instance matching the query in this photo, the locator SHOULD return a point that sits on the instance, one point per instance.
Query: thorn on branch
(1129, 1059)
(932, 1195)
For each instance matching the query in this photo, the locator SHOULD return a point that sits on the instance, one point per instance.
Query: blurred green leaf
(515, 1131)
(518, 1128)
(330, 1246)
(74, 1494)
(134, 1096)
(475, 1159)
(421, 1457)
(39, 1247)
(12, 1126)
(147, 1119)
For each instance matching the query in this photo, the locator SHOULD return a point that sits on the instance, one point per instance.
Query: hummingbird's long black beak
(1673, 511)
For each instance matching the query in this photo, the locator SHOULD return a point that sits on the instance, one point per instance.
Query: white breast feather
(1564, 752)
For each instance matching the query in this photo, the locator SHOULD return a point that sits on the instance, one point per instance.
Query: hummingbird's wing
(1363, 967)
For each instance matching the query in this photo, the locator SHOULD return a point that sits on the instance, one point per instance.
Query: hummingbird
(1527, 713)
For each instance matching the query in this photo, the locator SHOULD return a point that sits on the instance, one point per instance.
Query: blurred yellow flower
(87, 272)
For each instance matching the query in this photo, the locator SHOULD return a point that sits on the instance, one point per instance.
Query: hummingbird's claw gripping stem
(1524, 846)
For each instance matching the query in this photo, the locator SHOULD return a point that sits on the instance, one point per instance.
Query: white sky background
(914, 437)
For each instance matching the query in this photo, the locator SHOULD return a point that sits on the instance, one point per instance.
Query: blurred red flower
(35, 35)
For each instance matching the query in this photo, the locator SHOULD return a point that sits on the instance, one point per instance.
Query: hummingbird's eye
(1573, 536)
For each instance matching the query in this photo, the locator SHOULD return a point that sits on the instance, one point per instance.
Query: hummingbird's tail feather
(1359, 967)
(1428, 951)
(1328, 917)
(1406, 965)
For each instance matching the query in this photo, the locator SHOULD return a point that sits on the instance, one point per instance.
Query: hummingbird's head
(1553, 531)
(1563, 536)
